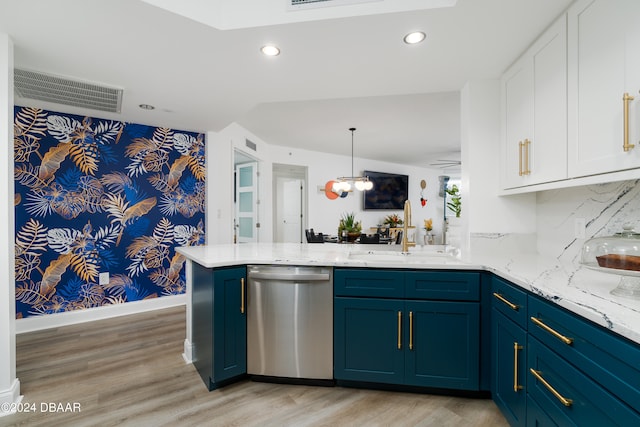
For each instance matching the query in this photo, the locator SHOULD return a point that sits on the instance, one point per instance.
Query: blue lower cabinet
(442, 344)
(229, 325)
(418, 343)
(568, 396)
(509, 367)
(367, 345)
(219, 324)
(536, 417)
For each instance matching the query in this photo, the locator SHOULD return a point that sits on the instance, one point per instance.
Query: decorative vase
(352, 236)
(429, 238)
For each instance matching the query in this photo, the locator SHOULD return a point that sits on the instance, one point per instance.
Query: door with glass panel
(247, 202)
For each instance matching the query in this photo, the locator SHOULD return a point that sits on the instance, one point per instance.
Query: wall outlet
(579, 228)
(103, 278)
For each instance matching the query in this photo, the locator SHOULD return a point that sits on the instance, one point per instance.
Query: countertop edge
(551, 280)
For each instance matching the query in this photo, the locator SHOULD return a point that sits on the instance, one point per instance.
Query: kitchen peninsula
(577, 289)
(548, 300)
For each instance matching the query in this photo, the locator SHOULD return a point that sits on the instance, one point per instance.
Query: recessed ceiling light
(147, 107)
(415, 37)
(270, 50)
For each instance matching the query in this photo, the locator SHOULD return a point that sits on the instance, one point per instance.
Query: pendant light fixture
(345, 184)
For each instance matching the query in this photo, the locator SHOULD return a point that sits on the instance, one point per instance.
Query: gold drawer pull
(399, 330)
(566, 340)
(242, 295)
(566, 402)
(411, 330)
(520, 147)
(516, 347)
(511, 305)
(625, 143)
(527, 171)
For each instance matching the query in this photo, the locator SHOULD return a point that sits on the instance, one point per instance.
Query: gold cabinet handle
(520, 146)
(526, 171)
(566, 402)
(566, 340)
(516, 347)
(411, 330)
(242, 295)
(511, 305)
(626, 98)
(399, 330)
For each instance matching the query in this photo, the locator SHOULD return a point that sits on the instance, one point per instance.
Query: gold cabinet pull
(626, 98)
(526, 171)
(566, 402)
(399, 330)
(516, 347)
(566, 340)
(511, 305)
(520, 146)
(411, 330)
(242, 295)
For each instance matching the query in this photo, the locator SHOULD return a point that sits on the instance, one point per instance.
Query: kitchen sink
(435, 256)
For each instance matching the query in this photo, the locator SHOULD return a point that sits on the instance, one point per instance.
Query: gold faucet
(405, 227)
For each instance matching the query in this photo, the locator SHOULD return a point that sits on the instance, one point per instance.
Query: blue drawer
(569, 396)
(358, 282)
(608, 359)
(509, 300)
(443, 285)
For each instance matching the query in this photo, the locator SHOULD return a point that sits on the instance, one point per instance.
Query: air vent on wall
(310, 4)
(60, 90)
(251, 144)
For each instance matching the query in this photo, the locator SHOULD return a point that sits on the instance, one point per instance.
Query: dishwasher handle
(289, 277)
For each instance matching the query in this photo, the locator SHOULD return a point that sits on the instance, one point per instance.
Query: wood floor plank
(129, 371)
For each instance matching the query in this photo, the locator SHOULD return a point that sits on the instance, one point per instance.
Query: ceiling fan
(445, 164)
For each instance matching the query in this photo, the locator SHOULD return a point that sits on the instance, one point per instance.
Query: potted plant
(349, 225)
(393, 220)
(454, 204)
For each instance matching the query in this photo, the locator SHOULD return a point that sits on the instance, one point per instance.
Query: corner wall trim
(37, 323)
(12, 397)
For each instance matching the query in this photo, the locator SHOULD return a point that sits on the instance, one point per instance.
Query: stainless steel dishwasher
(290, 322)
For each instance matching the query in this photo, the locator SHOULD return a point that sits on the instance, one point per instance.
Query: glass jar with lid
(616, 254)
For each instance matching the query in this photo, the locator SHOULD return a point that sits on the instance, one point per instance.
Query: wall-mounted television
(389, 191)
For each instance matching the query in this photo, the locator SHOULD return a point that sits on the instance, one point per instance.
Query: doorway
(246, 223)
(289, 203)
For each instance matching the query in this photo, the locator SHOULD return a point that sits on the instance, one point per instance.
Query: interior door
(247, 202)
(289, 208)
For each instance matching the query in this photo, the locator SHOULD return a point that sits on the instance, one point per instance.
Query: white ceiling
(333, 73)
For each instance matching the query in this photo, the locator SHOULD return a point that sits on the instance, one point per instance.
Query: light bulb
(337, 187)
(415, 37)
(270, 50)
(346, 186)
(360, 185)
(368, 185)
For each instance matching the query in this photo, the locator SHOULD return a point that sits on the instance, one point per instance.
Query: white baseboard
(37, 323)
(188, 351)
(10, 398)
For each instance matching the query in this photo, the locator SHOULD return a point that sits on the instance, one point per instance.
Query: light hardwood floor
(129, 371)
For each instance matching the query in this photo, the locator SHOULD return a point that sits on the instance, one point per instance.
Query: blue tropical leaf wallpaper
(95, 196)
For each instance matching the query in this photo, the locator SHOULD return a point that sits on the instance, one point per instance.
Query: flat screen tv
(389, 191)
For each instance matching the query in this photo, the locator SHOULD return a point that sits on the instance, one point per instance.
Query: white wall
(483, 209)
(220, 159)
(9, 384)
(324, 214)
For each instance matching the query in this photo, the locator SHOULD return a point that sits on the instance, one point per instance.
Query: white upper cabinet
(534, 112)
(603, 65)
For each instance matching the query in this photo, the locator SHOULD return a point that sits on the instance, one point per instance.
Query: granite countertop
(574, 287)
